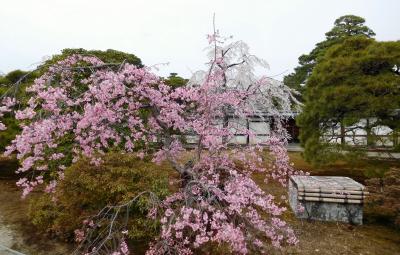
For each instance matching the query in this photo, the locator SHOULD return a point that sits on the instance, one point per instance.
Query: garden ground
(315, 237)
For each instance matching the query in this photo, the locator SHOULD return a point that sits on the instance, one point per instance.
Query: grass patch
(359, 170)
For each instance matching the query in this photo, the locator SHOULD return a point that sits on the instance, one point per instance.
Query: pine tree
(355, 80)
(344, 27)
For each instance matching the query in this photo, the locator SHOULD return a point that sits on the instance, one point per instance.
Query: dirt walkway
(16, 232)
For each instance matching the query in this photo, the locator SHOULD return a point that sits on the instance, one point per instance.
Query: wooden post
(369, 138)
(342, 134)
(248, 128)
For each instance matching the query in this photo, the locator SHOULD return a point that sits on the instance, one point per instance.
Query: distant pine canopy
(355, 85)
(344, 27)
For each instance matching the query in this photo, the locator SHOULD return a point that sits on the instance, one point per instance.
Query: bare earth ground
(17, 233)
(333, 238)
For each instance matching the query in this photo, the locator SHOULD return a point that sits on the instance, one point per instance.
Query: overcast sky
(175, 31)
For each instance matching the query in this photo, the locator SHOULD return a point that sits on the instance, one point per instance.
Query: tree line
(349, 84)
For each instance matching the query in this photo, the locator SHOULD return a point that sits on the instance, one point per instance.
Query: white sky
(175, 31)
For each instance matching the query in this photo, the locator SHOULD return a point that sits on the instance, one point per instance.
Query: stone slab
(327, 198)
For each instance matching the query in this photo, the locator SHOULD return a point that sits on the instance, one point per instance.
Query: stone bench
(328, 198)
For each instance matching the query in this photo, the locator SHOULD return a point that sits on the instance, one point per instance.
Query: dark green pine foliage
(13, 84)
(356, 79)
(344, 27)
(175, 81)
(108, 56)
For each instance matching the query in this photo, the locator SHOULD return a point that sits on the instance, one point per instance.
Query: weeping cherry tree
(82, 107)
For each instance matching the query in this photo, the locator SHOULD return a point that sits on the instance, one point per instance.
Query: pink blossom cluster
(203, 211)
(6, 106)
(123, 249)
(282, 168)
(100, 112)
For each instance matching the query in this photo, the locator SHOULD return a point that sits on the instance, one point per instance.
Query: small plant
(86, 189)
